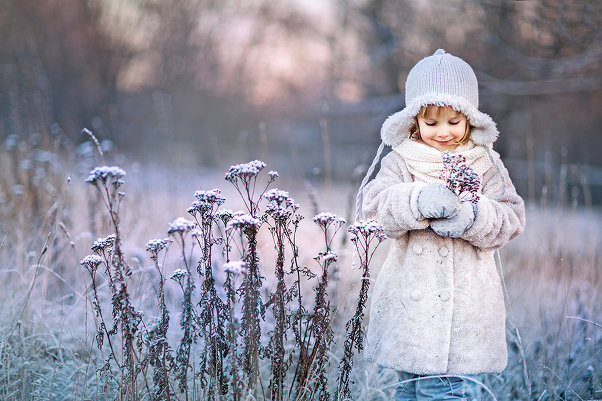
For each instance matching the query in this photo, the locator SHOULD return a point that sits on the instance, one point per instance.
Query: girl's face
(442, 131)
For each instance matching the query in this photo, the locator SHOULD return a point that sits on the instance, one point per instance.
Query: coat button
(443, 251)
(417, 249)
(416, 295)
(444, 296)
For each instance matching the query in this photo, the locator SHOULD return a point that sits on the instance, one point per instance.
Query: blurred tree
(57, 66)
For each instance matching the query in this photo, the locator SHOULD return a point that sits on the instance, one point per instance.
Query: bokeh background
(302, 84)
(176, 91)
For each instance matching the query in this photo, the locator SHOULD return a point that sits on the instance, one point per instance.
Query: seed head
(367, 228)
(102, 173)
(241, 220)
(103, 243)
(224, 215)
(325, 219)
(206, 201)
(91, 262)
(181, 225)
(179, 275)
(459, 177)
(156, 245)
(244, 170)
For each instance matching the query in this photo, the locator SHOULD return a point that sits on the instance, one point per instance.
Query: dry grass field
(48, 322)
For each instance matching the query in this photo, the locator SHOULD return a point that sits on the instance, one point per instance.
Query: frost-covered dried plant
(220, 340)
(103, 244)
(460, 178)
(156, 245)
(91, 263)
(281, 210)
(253, 307)
(310, 377)
(233, 269)
(364, 233)
(328, 222)
(244, 178)
(213, 312)
(108, 181)
(178, 229)
(159, 351)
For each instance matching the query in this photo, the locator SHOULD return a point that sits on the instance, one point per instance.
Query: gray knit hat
(443, 80)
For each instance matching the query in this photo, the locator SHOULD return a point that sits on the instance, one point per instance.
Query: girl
(437, 306)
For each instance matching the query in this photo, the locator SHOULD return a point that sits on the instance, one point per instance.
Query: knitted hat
(442, 80)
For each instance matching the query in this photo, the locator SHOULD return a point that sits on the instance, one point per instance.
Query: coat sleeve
(391, 198)
(500, 210)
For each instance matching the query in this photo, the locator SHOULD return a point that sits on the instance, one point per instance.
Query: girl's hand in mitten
(435, 201)
(457, 225)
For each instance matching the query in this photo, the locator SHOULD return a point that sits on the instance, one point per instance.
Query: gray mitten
(457, 225)
(435, 201)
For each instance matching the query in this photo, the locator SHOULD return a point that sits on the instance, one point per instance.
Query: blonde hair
(433, 110)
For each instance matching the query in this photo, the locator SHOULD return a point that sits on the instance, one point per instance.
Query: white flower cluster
(273, 175)
(460, 178)
(91, 262)
(206, 201)
(103, 172)
(156, 245)
(368, 227)
(236, 267)
(178, 275)
(277, 195)
(181, 225)
(280, 206)
(242, 220)
(103, 243)
(224, 215)
(329, 256)
(324, 219)
(244, 170)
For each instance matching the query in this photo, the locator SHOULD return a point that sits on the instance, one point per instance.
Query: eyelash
(433, 124)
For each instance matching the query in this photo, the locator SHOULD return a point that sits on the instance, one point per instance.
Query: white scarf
(426, 163)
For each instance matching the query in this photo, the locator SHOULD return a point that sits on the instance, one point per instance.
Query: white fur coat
(437, 305)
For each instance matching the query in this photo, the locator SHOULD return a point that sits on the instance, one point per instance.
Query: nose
(445, 132)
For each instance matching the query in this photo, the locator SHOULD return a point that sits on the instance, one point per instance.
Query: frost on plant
(280, 206)
(181, 225)
(156, 245)
(206, 202)
(91, 262)
(224, 215)
(244, 170)
(460, 178)
(368, 228)
(363, 234)
(179, 275)
(227, 346)
(236, 267)
(104, 173)
(103, 243)
(241, 221)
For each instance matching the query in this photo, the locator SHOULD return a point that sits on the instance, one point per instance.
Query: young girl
(437, 306)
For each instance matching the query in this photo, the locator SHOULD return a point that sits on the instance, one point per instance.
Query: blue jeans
(417, 388)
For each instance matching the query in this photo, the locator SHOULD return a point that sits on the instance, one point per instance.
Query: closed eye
(454, 122)
(429, 123)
